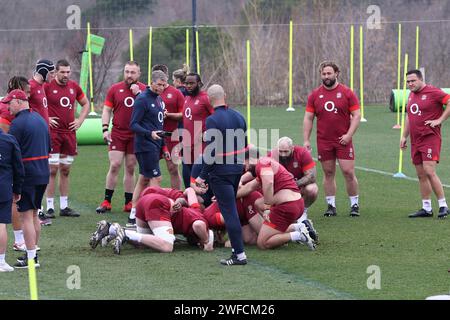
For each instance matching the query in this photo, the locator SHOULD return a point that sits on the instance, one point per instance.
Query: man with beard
(62, 95)
(425, 116)
(119, 102)
(196, 109)
(298, 161)
(338, 117)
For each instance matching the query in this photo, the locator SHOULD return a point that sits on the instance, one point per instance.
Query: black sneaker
(68, 212)
(50, 214)
(22, 258)
(312, 232)
(43, 219)
(331, 211)
(23, 264)
(131, 223)
(354, 211)
(443, 212)
(233, 261)
(422, 213)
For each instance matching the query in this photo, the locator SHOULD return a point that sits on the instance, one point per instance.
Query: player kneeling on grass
(283, 201)
(157, 218)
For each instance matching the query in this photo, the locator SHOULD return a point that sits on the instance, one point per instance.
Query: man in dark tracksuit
(31, 132)
(147, 122)
(11, 179)
(224, 159)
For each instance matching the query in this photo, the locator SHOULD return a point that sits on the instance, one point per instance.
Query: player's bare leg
(329, 185)
(175, 179)
(348, 170)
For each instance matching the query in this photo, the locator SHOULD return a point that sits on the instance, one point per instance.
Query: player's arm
(267, 185)
(354, 124)
(83, 114)
(248, 188)
(106, 118)
(441, 119)
(405, 134)
(309, 176)
(307, 128)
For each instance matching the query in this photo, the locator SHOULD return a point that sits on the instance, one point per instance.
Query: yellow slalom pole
(149, 70)
(417, 46)
(91, 86)
(198, 51)
(32, 279)
(291, 36)
(248, 91)
(131, 45)
(399, 174)
(361, 71)
(352, 55)
(399, 63)
(187, 47)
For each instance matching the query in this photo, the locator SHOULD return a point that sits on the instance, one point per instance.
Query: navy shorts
(148, 164)
(5, 211)
(31, 198)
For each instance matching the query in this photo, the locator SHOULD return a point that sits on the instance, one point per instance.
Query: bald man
(223, 166)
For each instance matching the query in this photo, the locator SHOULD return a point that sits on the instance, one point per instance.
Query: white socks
(63, 202)
(133, 213)
(50, 203)
(133, 235)
(331, 200)
(297, 236)
(241, 256)
(442, 203)
(426, 204)
(354, 200)
(18, 237)
(2, 258)
(31, 254)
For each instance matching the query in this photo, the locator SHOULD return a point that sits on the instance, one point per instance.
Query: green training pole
(149, 70)
(198, 51)
(361, 71)
(248, 91)
(131, 45)
(352, 55)
(400, 174)
(399, 63)
(187, 47)
(291, 31)
(91, 86)
(417, 46)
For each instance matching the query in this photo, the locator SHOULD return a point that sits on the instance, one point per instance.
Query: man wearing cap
(44, 73)
(62, 96)
(33, 138)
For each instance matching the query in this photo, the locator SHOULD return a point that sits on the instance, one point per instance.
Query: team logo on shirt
(430, 151)
(250, 210)
(169, 96)
(65, 102)
(39, 91)
(415, 109)
(351, 153)
(155, 172)
(197, 102)
(55, 91)
(424, 97)
(188, 113)
(128, 102)
(321, 96)
(330, 107)
(339, 95)
(71, 91)
(295, 164)
(121, 90)
(153, 105)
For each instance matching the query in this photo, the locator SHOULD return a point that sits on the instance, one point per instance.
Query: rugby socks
(304, 216)
(133, 235)
(442, 203)
(31, 254)
(354, 200)
(426, 204)
(331, 200)
(241, 256)
(133, 213)
(18, 236)
(63, 202)
(2, 258)
(108, 194)
(297, 236)
(50, 203)
(128, 197)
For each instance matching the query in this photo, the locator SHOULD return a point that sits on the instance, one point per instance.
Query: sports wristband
(105, 129)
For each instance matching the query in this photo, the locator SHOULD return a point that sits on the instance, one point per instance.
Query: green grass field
(413, 255)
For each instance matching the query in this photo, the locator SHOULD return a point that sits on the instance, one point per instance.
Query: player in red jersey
(423, 124)
(298, 161)
(196, 109)
(283, 201)
(179, 79)
(174, 102)
(337, 110)
(62, 95)
(44, 73)
(119, 105)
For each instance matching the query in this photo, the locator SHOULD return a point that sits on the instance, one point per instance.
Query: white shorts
(55, 159)
(165, 233)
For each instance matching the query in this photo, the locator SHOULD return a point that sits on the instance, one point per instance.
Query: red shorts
(246, 207)
(182, 221)
(64, 143)
(328, 150)
(146, 214)
(121, 143)
(427, 150)
(214, 217)
(283, 215)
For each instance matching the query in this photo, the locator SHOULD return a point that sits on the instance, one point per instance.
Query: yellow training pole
(149, 70)
(399, 57)
(248, 91)
(187, 47)
(198, 51)
(131, 45)
(417, 46)
(399, 174)
(291, 36)
(91, 86)
(352, 55)
(361, 71)
(32, 280)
